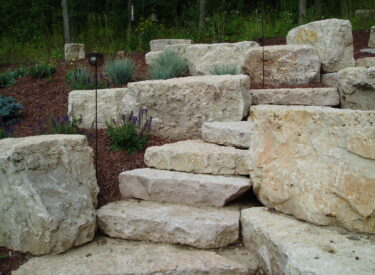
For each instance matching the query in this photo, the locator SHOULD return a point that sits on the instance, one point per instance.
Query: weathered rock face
(371, 41)
(196, 156)
(315, 163)
(202, 58)
(357, 88)
(179, 187)
(74, 51)
(161, 44)
(207, 227)
(82, 102)
(47, 193)
(330, 80)
(288, 246)
(237, 134)
(114, 256)
(180, 49)
(366, 62)
(298, 96)
(333, 40)
(181, 105)
(283, 65)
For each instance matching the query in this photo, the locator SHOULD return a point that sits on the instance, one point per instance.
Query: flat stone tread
(238, 126)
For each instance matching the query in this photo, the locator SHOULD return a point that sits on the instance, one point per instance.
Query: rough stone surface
(333, 40)
(315, 163)
(179, 187)
(298, 96)
(366, 62)
(283, 65)
(113, 256)
(82, 102)
(237, 134)
(288, 246)
(179, 48)
(161, 44)
(74, 51)
(357, 88)
(47, 193)
(207, 227)
(330, 80)
(370, 51)
(181, 105)
(203, 57)
(151, 57)
(196, 156)
(371, 41)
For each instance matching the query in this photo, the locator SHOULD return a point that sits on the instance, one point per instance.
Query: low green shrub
(42, 70)
(168, 65)
(3, 133)
(9, 78)
(120, 71)
(9, 110)
(6, 132)
(130, 132)
(223, 69)
(80, 79)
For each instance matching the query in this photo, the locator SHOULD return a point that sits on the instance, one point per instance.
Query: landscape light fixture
(96, 59)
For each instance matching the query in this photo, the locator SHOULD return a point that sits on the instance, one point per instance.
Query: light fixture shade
(95, 59)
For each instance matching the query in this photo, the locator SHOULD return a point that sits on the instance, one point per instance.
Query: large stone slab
(333, 40)
(161, 44)
(288, 246)
(357, 88)
(196, 156)
(237, 134)
(207, 227)
(74, 51)
(82, 102)
(114, 256)
(369, 51)
(330, 80)
(180, 49)
(315, 163)
(47, 193)
(365, 62)
(283, 65)
(297, 96)
(371, 41)
(202, 58)
(179, 187)
(179, 106)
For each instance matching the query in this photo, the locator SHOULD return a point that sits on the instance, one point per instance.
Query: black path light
(96, 59)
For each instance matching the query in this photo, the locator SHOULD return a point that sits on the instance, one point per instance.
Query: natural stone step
(297, 96)
(288, 246)
(161, 44)
(196, 156)
(237, 134)
(206, 227)
(180, 187)
(114, 256)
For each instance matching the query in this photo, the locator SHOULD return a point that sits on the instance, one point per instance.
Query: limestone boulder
(357, 88)
(315, 163)
(371, 41)
(47, 193)
(366, 62)
(114, 256)
(285, 245)
(196, 156)
(151, 57)
(180, 106)
(202, 58)
(74, 51)
(333, 40)
(161, 44)
(82, 103)
(180, 49)
(206, 227)
(368, 51)
(330, 80)
(283, 65)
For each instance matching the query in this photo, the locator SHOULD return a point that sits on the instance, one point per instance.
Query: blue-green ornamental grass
(168, 65)
(224, 69)
(9, 110)
(80, 79)
(8, 79)
(120, 71)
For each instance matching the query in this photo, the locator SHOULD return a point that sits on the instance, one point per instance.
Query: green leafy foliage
(120, 71)
(168, 65)
(223, 69)
(9, 110)
(130, 132)
(3, 134)
(9, 78)
(42, 70)
(80, 79)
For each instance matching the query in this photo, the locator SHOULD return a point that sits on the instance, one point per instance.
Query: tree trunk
(202, 13)
(301, 11)
(64, 5)
(129, 16)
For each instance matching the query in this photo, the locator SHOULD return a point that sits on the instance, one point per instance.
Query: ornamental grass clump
(42, 70)
(168, 65)
(80, 79)
(130, 132)
(224, 69)
(8, 79)
(120, 71)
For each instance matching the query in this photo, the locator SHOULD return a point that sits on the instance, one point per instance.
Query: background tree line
(35, 27)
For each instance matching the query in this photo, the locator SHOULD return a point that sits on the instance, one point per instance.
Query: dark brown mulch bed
(10, 260)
